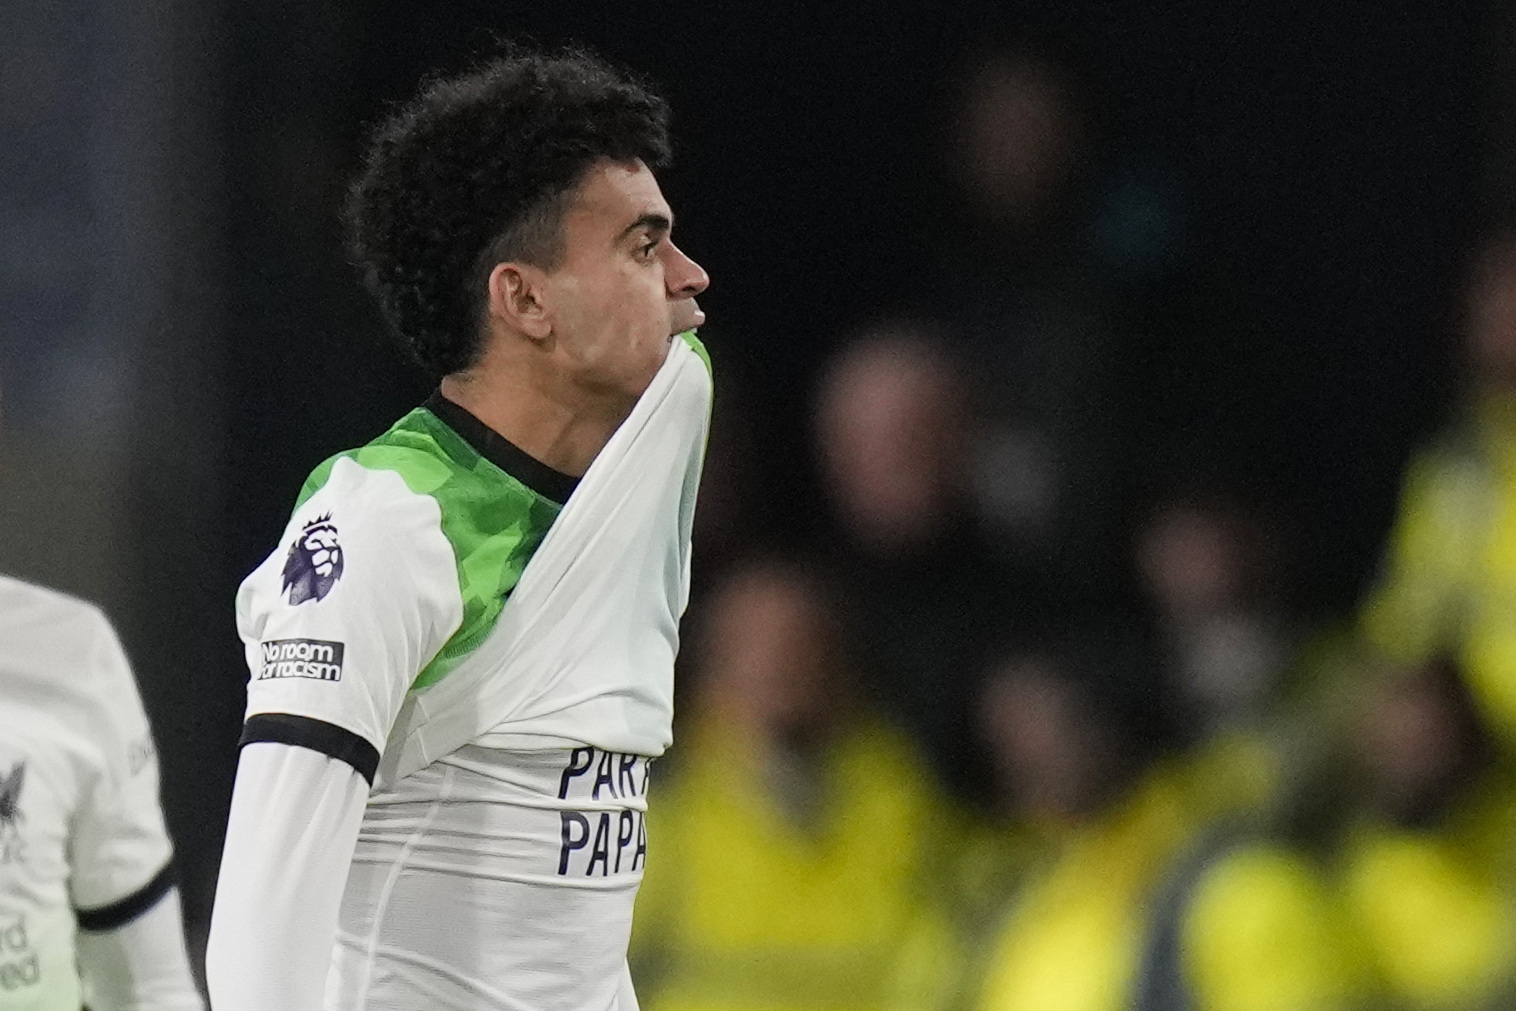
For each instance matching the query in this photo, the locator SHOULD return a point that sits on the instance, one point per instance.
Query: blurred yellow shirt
(1449, 577)
(1073, 940)
(745, 906)
(1258, 930)
(1436, 907)
(1234, 774)
(1263, 931)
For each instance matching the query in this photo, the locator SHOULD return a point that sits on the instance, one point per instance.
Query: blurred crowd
(1036, 721)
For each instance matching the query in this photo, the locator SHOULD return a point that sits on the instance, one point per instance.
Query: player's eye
(647, 249)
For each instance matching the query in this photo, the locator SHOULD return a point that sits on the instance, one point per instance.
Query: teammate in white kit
(88, 907)
(461, 651)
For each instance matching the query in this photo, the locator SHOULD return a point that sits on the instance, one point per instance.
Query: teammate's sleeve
(121, 879)
(141, 965)
(294, 823)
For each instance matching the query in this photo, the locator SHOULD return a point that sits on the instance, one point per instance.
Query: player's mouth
(686, 315)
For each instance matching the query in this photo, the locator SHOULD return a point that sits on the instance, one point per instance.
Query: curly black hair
(477, 170)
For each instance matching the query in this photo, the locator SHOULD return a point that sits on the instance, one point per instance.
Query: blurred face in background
(1204, 569)
(891, 431)
(770, 657)
(1053, 756)
(1491, 312)
(1418, 742)
(1192, 561)
(1018, 138)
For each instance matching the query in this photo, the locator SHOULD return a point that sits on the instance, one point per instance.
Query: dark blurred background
(1254, 219)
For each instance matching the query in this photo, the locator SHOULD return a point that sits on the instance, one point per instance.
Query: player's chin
(652, 360)
(638, 386)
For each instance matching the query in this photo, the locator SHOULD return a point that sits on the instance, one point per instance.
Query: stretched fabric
(583, 651)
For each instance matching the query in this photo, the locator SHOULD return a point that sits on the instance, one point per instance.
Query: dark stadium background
(1328, 166)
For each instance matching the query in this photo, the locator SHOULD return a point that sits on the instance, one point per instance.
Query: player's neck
(548, 419)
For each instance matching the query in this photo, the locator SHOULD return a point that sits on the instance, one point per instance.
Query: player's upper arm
(360, 594)
(119, 851)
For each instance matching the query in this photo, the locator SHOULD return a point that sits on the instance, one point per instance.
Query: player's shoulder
(25, 604)
(63, 623)
(424, 455)
(399, 483)
(408, 459)
(53, 639)
(475, 484)
(432, 492)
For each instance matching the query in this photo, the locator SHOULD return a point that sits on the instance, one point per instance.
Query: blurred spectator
(798, 840)
(1075, 735)
(1139, 910)
(1248, 923)
(1208, 566)
(1428, 864)
(893, 419)
(1449, 573)
(893, 426)
(1020, 142)
(1429, 872)
(1018, 285)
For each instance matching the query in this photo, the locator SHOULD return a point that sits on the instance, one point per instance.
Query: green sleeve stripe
(699, 349)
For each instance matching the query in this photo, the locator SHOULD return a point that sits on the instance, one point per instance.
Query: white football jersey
(82, 839)
(491, 645)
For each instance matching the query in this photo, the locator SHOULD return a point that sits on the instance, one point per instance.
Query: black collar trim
(494, 447)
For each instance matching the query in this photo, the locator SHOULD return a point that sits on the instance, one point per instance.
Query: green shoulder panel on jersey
(493, 521)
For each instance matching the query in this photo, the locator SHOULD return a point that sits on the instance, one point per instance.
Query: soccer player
(462, 648)
(88, 907)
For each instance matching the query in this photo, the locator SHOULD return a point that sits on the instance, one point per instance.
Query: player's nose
(683, 276)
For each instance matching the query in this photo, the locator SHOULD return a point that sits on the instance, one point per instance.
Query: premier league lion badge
(315, 561)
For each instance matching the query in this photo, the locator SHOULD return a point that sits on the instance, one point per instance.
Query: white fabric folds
(583, 652)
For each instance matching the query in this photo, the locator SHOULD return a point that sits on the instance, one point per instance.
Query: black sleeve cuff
(317, 735)
(119, 914)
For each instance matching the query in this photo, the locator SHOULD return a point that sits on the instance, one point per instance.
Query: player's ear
(519, 298)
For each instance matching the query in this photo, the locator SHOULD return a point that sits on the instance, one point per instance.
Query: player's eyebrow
(651, 221)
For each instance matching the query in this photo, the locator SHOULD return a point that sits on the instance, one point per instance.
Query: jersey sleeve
(338, 621)
(119, 851)
(144, 964)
